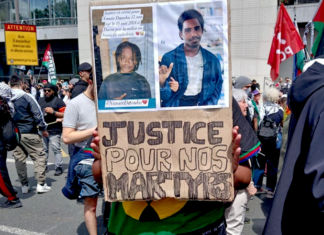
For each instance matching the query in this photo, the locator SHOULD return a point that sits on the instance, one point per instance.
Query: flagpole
(39, 73)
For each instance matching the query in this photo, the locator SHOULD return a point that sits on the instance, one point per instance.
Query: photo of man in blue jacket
(190, 75)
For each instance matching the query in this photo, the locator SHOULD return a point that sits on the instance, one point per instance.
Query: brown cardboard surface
(184, 154)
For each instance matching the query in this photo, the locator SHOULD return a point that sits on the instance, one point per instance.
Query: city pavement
(52, 213)
(258, 211)
(48, 213)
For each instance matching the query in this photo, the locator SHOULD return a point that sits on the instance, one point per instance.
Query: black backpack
(10, 135)
(268, 130)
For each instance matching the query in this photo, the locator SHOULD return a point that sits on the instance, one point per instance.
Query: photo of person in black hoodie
(126, 83)
(85, 73)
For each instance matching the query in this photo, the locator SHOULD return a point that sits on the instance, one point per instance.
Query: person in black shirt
(53, 108)
(60, 91)
(85, 72)
(126, 83)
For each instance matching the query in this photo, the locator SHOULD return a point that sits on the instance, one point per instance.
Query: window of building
(40, 12)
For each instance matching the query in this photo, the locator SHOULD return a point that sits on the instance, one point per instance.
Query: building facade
(65, 25)
(56, 22)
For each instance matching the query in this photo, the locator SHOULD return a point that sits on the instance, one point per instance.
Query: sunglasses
(47, 90)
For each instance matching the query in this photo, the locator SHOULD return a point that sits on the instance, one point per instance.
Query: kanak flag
(285, 43)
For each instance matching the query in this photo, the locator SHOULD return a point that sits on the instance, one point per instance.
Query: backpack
(10, 135)
(268, 130)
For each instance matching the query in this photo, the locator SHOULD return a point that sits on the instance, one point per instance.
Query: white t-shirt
(80, 114)
(41, 91)
(66, 99)
(195, 68)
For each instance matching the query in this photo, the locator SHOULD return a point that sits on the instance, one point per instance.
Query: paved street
(259, 208)
(52, 213)
(49, 213)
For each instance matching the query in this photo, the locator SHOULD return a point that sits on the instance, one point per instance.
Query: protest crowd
(276, 145)
(49, 115)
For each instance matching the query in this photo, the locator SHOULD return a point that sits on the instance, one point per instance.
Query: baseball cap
(84, 67)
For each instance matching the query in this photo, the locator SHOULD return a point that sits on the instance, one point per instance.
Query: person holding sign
(189, 75)
(126, 83)
(170, 216)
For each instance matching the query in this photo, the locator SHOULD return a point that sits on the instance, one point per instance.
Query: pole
(17, 11)
(39, 73)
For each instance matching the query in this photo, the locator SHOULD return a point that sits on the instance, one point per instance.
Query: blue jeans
(55, 140)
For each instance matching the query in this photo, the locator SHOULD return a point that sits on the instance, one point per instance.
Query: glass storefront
(39, 12)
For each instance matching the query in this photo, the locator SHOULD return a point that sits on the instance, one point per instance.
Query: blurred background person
(66, 93)
(59, 90)
(235, 212)
(72, 83)
(258, 108)
(6, 112)
(269, 147)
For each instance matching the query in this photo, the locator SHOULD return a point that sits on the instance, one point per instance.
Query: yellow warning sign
(21, 44)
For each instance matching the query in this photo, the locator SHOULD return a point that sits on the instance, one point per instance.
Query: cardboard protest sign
(162, 91)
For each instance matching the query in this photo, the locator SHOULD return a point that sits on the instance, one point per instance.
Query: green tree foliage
(62, 9)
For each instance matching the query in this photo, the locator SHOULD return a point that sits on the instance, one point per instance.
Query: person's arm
(32, 81)
(242, 176)
(60, 107)
(57, 114)
(165, 69)
(71, 136)
(255, 124)
(164, 72)
(242, 172)
(37, 113)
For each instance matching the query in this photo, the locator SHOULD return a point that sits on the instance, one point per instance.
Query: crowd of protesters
(44, 113)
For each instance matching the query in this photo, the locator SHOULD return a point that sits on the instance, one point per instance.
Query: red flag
(319, 15)
(285, 43)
